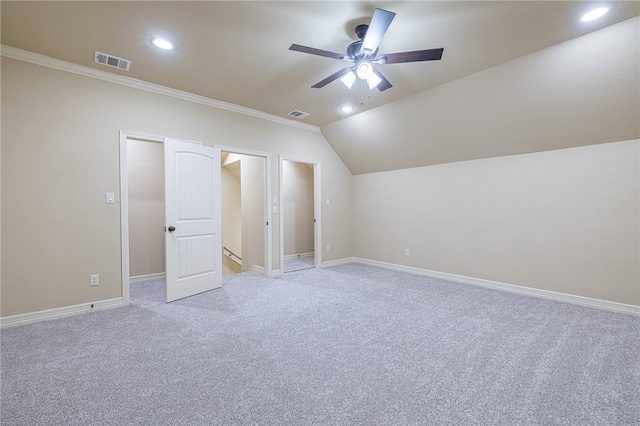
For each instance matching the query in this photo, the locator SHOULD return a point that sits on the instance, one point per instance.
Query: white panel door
(193, 224)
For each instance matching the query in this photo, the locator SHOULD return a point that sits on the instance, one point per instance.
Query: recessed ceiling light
(162, 44)
(346, 108)
(594, 14)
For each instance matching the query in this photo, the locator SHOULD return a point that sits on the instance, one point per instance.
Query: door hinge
(267, 223)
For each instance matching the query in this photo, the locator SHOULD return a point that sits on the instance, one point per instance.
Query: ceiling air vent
(112, 61)
(298, 114)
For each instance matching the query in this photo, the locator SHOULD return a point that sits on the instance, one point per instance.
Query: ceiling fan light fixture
(348, 79)
(594, 14)
(373, 81)
(364, 69)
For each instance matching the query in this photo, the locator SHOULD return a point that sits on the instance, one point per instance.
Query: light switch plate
(110, 198)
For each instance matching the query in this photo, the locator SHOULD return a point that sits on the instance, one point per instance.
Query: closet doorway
(299, 214)
(246, 220)
(146, 209)
(143, 210)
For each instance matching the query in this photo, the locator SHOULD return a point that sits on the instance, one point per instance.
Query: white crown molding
(58, 64)
(55, 313)
(528, 291)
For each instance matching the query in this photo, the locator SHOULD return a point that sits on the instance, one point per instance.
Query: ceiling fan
(364, 53)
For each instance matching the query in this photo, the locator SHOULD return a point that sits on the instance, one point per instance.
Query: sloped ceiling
(237, 52)
(581, 92)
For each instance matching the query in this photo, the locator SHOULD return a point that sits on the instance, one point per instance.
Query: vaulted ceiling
(237, 52)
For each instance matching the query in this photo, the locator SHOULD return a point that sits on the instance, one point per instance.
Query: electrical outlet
(407, 252)
(94, 279)
(328, 248)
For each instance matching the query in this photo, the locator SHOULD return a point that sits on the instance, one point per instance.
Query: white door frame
(317, 210)
(268, 254)
(124, 204)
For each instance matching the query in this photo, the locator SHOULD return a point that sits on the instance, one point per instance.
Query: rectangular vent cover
(112, 61)
(298, 114)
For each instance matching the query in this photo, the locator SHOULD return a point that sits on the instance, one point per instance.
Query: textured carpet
(298, 263)
(347, 345)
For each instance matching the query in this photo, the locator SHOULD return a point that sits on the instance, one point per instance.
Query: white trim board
(299, 255)
(337, 262)
(55, 313)
(85, 71)
(258, 269)
(147, 277)
(528, 291)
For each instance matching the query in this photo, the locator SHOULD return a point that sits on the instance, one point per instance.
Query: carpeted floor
(347, 345)
(298, 263)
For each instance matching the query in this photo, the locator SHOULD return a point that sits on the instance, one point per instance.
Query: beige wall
(145, 165)
(566, 221)
(252, 173)
(297, 207)
(231, 218)
(60, 155)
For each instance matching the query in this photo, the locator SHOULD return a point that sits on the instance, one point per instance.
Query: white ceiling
(238, 51)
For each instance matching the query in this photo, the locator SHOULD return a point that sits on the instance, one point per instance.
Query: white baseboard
(148, 277)
(257, 268)
(296, 256)
(330, 263)
(65, 311)
(529, 291)
(275, 273)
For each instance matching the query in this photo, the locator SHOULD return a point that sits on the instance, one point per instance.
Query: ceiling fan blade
(331, 78)
(319, 52)
(415, 56)
(384, 84)
(377, 28)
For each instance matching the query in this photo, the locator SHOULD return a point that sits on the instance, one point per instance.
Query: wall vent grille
(298, 114)
(112, 61)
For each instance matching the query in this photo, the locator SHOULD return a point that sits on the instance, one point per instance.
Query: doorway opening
(146, 209)
(244, 216)
(299, 214)
(143, 211)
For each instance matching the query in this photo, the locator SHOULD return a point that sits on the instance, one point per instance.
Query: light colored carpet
(299, 263)
(347, 345)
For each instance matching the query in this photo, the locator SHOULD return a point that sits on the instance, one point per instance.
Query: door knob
(172, 228)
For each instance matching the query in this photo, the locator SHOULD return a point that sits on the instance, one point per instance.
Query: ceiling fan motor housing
(361, 31)
(354, 50)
